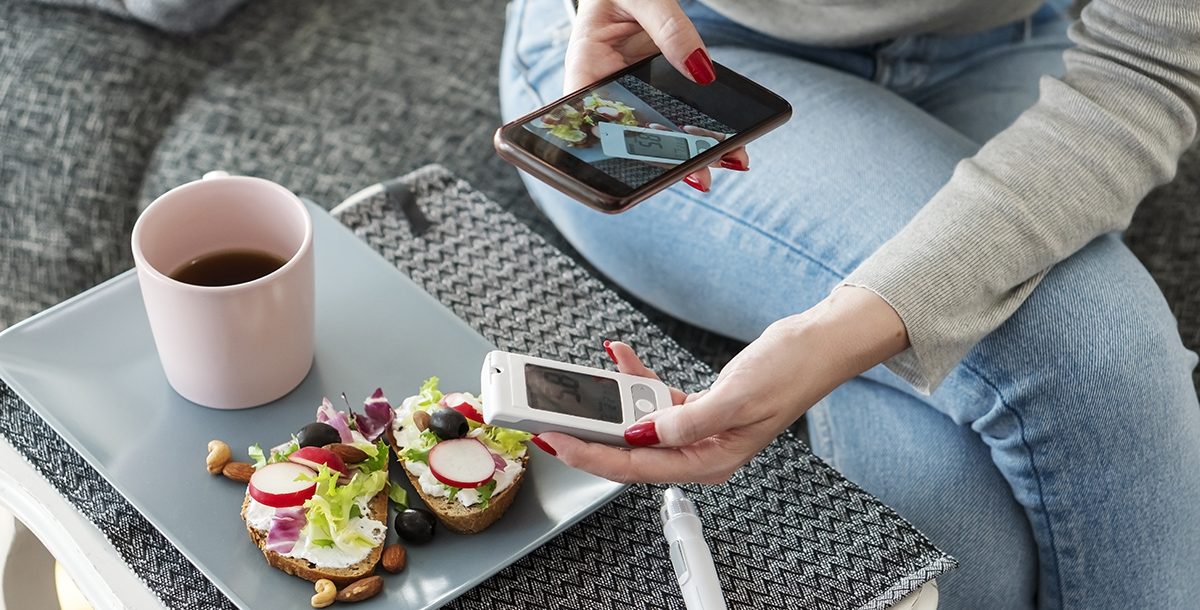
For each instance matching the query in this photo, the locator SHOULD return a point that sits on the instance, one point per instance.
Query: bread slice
(473, 519)
(305, 569)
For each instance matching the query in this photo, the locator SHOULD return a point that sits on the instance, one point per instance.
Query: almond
(395, 557)
(360, 590)
(349, 453)
(238, 471)
(421, 420)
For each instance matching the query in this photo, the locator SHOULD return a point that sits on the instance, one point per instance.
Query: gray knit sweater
(1072, 167)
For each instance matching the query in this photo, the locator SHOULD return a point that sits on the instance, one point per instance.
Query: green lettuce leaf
(485, 493)
(332, 507)
(281, 455)
(568, 133)
(625, 112)
(397, 495)
(257, 454)
(505, 441)
(429, 393)
(367, 447)
(377, 458)
(419, 452)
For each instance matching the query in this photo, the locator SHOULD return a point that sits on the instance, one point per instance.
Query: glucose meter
(539, 395)
(652, 145)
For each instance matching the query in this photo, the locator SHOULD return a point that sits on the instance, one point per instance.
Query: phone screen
(572, 393)
(629, 130)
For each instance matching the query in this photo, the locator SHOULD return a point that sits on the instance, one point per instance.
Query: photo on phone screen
(627, 131)
(630, 130)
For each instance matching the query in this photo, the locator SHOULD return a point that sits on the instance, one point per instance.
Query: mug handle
(216, 173)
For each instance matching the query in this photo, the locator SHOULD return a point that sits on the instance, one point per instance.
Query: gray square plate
(88, 366)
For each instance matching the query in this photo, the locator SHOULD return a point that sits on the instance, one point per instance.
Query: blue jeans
(1060, 461)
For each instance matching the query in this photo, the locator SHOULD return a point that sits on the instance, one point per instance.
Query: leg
(1086, 400)
(1100, 436)
(823, 192)
(940, 476)
(985, 92)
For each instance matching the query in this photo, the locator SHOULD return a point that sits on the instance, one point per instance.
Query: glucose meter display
(656, 145)
(571, 393)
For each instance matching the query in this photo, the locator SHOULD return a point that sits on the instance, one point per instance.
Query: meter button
(643, 397)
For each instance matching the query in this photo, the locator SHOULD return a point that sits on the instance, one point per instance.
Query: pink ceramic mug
(236, 346)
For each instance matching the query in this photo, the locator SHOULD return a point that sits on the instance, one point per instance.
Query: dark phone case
(608, 202)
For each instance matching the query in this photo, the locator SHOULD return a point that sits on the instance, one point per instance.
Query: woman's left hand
(708, 435)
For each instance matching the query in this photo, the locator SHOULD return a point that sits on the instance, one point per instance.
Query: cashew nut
(218, 456)
(326, 592)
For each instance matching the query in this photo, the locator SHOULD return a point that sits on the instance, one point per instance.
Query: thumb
(708, 414)
(675, 35)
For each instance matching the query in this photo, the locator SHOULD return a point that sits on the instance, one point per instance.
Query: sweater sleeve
(1070, 168)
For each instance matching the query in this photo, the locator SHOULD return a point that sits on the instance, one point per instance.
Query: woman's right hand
(609, 35)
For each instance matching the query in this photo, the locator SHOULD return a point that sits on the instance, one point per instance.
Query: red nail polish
(608, 350)
(543, 445)
(734, 164)
(641, 434)
(700, 67)
(694, 182)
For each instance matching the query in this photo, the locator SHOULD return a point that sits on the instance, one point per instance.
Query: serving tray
(89, 368)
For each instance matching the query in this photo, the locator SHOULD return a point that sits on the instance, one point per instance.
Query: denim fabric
(1060, 461)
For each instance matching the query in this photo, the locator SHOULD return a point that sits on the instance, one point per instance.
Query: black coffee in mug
(227, 267)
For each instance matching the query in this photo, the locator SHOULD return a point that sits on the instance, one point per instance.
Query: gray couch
(100, 115)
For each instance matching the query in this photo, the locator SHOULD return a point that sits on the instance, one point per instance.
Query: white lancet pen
(690, 556)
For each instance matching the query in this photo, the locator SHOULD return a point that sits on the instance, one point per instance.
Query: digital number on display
(655, 145)
(572, 393)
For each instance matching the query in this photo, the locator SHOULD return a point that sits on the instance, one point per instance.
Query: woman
(925, 208)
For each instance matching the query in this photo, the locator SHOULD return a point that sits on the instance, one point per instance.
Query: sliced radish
(463, 403)
(461, 462)
(278, 485)
(315, 457)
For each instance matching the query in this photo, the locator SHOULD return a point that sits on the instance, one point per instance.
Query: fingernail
(700, 67)
(641, 434)
(543, 445)
(734, 164)
(608, 349)
(695, 183)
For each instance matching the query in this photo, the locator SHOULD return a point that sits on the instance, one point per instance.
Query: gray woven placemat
(786, 532)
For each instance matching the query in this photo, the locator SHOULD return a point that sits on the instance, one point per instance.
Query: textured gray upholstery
(99, 115)
(179, 16)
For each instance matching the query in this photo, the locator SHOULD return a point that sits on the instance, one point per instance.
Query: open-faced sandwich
(317, 505)
(466, 471)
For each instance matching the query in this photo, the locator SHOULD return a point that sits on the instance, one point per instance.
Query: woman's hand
(712, 433)
(609, 35)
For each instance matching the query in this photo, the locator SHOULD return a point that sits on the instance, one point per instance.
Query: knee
(1098, 334)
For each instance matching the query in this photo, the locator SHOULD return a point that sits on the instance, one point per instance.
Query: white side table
(42, 514)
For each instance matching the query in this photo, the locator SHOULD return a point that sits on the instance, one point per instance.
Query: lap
(825, 190)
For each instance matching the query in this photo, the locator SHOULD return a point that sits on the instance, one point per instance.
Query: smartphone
(618, 141)
(539, 395)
